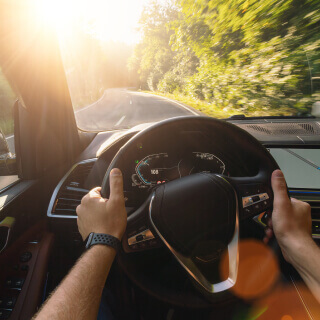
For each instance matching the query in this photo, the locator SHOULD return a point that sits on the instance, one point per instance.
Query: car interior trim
(15, 190)
(57, 189)
(301, 299)
(8, 223)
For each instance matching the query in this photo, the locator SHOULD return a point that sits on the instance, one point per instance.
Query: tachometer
(207, 162)
(200, 162)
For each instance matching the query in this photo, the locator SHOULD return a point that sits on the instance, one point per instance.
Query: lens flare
(258, 270)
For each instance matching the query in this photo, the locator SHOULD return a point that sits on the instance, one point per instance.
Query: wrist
(103, 249)
(113, 233)
(296, 247)
(102, 239)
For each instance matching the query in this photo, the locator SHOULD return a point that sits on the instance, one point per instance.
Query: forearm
(78, 297)
(305, 257)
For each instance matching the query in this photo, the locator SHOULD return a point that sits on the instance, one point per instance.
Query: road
(121, 108)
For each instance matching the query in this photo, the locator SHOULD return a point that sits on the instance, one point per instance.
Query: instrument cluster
(160, 168)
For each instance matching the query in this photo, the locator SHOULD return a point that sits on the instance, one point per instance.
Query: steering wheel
(197, 217)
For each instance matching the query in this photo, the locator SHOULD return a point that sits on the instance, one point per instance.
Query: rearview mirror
(7, 159)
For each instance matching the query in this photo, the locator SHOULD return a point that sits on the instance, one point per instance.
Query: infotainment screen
(301, 167)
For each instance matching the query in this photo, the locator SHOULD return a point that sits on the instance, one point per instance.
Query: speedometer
(154, 169)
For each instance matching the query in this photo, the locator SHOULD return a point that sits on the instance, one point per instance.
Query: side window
(7, 149)
(7, 98)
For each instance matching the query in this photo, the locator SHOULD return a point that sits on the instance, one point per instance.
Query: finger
(95, 192)
(269, 233)
(78, 210)
(116, 185)
(269, 223)
(279, 188)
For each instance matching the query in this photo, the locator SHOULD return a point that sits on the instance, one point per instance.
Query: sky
(115, 20)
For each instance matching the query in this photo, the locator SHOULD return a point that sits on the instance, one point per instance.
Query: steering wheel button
(140, 237)
(255, 198)
(142, 245)
(248, 212)
(257, 207)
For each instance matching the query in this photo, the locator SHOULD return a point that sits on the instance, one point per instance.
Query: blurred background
(221, 57)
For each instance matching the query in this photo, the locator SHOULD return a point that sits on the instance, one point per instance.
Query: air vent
(79, 174)
(70, 190)
(287, 128)
(310, 196)
(67, 201)
(315, 208)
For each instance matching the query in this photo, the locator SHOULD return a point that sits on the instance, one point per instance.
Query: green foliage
(7, 98)
(247, 56)
(153, 57)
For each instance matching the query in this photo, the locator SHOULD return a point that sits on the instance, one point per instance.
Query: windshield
(132, 62)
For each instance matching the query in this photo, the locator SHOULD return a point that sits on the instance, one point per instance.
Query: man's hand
(99, 215)
(291, 218)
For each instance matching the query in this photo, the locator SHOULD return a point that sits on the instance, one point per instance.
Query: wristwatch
(101, 238)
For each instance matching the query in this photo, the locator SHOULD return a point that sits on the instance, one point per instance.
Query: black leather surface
(194, 210)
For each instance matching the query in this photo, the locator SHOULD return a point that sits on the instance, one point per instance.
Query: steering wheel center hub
(196, 214)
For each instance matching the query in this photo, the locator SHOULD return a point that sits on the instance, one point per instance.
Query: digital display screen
(301, 167)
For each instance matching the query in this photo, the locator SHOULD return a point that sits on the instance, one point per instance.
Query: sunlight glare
(106, 20)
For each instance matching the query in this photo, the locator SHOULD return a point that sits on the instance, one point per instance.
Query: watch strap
(101, 238)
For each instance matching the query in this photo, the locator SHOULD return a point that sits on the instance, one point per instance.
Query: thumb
(116, 185)
(279, 188)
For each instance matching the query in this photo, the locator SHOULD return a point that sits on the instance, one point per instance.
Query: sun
(107, 20)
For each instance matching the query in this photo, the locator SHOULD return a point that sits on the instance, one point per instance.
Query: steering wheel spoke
(139, 236)
(255, 196)
(197, 270)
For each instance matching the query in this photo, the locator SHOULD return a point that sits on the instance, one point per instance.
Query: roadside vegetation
(7, 99)
(232, 56)
(215, 111)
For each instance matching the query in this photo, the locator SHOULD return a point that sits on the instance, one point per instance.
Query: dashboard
(162, 161)
(159, 159)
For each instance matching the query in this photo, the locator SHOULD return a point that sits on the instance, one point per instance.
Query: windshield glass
(132, 62)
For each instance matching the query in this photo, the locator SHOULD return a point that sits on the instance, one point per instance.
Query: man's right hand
(291, 218)
(99, 215)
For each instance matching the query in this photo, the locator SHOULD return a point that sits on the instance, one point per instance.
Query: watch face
(88, 240)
